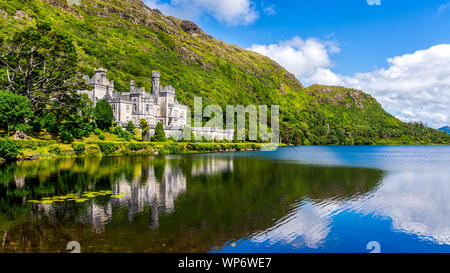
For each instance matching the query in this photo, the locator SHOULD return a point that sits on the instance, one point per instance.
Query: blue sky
(401, 43)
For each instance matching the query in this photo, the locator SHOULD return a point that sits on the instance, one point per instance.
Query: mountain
(445, 129)
(130, 40)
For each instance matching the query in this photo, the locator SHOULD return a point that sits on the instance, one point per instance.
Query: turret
(155, 83)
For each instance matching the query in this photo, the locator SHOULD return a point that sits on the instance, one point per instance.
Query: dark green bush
(160, 135)
(79, 148)
(108, 147)
(134, 146)
(66, 137)
(101, 137)
(8, 149)
(127, 136)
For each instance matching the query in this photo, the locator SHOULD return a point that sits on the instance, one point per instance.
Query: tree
(8, 149)
(130, 126)
(144, 127)
(103, 114)
(42, 65)
(160, 135)
(15, 110)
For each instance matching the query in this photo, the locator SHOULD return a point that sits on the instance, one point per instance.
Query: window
(146, 107)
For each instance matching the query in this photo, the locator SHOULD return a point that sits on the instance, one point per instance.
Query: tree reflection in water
(171, 204)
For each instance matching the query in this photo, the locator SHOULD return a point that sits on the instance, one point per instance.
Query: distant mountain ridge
(131, 40)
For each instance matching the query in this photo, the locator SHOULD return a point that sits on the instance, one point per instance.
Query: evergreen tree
(103, 114)
(160, 135)
(130, 126)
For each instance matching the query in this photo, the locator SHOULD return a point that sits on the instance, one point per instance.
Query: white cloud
(232, 12)
(268, 10)
(304, 58)
(413, 87)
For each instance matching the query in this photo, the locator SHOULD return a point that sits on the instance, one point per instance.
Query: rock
(3, 14)
(20, 15)
(189, 26)
(20, 135)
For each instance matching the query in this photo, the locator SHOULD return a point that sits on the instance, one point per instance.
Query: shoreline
(42, 149)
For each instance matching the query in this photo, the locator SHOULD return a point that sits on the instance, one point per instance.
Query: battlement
(100, 79)
(167, 89)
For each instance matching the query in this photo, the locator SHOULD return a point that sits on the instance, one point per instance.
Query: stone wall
(209, 133)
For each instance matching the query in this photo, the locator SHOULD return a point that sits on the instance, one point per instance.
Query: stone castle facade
(158, 106)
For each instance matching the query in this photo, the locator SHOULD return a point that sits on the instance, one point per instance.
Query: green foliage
(160, 135)
(144, 128)
(67, 137)
(55, 149)
(130, 127)
(198, 65)
(117, 130)
(32, 144)
(108, 147)
(79, 148)
(43, 67)
(8, 149)
(14, 110)
(103, 114)
(135, 146)
(97, 131)
(101, 137)
(127, 136)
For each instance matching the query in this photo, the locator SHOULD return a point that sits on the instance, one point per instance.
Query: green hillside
(130, 40)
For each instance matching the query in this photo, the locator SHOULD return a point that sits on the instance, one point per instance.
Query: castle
(159, 106)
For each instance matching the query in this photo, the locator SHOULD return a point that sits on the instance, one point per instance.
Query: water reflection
(205, 202)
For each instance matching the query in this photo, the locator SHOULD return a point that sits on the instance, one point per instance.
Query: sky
(396, 50)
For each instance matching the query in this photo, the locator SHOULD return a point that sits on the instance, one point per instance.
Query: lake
(294, 199)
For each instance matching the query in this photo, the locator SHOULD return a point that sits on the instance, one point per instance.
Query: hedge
(33, 144)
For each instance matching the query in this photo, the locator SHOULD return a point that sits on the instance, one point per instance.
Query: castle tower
(155, 83)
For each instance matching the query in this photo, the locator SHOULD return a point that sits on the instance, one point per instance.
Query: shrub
(137, 134)
(32, 144)
(66, 137)
(160, 135)
(171, 149)
(77, 133)
(130, 127)
(127, 136)
(97, 131)
(54, 149)
(118, 130)
(8, 149)
(79, 148)
(101, 137)
(92, 149)
(133, 146)
(108, 147)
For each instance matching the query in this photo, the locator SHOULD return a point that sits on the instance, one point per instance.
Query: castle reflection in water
(157, 193)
